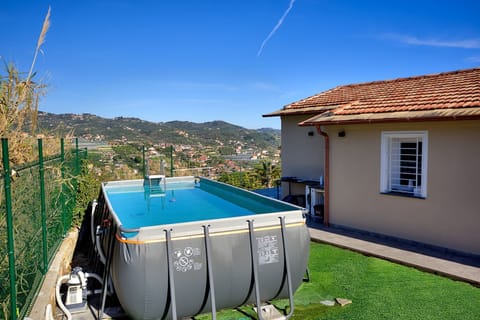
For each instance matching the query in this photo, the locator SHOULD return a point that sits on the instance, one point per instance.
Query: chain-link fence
(36, 205)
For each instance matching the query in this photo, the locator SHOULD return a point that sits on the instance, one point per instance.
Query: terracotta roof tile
(449, 90)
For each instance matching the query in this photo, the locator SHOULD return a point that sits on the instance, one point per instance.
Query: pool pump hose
(95, 234)
(78, 277)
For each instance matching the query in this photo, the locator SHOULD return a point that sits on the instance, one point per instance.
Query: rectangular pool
(184, 200)
(202, 243)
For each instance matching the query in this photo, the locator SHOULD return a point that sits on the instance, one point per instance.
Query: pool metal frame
(116, 230)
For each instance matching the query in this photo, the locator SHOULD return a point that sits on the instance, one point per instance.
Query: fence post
(143, 157)
(11, 249)
(62, 191)
(171, 160)
(77, 159)
(42, 206)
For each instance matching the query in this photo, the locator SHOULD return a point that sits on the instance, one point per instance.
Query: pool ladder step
(155, 180)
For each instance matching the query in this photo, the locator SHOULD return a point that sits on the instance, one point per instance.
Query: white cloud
(264, 86)
(431, 42)
(474, 59)
(201, 85)
(278, 25)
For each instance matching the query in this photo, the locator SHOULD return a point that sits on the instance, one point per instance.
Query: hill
(219, 133)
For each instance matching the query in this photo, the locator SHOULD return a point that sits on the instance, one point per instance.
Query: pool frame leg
(287, 267)
(106, 271)
(173, 302)
(253, 250)
(306, 278)
(210, 270)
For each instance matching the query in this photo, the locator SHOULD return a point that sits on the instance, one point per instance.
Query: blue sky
(204, 60)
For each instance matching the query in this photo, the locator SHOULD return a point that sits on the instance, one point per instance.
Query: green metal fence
(36, 207)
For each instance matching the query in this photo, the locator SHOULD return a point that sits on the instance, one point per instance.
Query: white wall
(448, 217)
(302, 155)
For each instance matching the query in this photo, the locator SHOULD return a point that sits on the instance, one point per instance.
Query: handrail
(24, 166)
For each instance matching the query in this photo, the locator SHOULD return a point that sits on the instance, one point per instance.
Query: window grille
(404, 163)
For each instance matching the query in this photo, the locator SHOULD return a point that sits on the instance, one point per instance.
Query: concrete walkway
(464, 269)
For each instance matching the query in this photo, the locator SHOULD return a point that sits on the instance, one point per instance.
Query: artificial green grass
(378, 289)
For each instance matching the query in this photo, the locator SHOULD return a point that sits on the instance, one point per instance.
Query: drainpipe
(326, 206)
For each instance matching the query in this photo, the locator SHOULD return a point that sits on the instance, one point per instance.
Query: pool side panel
(244, 198)
(140, 272)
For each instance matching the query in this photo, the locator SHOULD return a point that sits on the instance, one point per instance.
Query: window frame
(386, 160)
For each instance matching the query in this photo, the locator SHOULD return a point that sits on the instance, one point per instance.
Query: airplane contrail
(279, 23)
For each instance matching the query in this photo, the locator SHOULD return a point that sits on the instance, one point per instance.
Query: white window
(404, 163)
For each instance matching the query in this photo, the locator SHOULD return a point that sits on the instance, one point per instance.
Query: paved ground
(446, 264)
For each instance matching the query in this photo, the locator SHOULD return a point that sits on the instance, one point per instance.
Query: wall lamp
(341, 134)
(311, 133)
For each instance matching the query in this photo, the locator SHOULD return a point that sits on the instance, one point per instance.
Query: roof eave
(470, 114)
(314, 110)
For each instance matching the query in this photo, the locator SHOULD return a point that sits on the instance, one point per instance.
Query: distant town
(117, 148)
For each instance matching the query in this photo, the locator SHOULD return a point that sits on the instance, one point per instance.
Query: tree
(267, 173)
(244, 179)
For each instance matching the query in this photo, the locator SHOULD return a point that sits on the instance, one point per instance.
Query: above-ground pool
(184, 246)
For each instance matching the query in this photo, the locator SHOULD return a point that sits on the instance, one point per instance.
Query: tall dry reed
(19, 100)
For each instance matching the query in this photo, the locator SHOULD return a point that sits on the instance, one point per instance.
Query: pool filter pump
(76, 294)
(76, 298)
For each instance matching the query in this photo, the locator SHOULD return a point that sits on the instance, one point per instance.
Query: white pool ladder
(154, 179)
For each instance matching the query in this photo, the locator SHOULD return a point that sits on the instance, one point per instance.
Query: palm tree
(267, 173)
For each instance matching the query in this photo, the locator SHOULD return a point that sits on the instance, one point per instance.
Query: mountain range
(92, 127)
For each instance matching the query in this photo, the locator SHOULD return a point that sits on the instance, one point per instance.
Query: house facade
(401, 157)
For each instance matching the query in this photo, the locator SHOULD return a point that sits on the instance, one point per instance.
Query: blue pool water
(141, 206)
